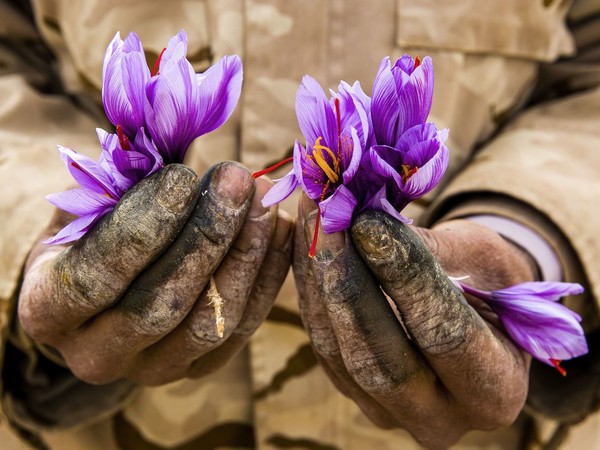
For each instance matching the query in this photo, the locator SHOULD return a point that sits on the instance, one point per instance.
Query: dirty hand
(446, 366)
(132, 298)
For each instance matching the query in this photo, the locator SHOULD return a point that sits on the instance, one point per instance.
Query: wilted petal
(545, 289)
(337, 210)
(535, 320)
(76, 229)
(282, 189)
(544, 329)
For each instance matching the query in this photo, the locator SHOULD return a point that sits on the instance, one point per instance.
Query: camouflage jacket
(537, 165)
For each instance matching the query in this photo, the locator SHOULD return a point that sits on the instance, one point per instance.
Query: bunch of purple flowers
(379, 153)
(156, 115)
(365, 153)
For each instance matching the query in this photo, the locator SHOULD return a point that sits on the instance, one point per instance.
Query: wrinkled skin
(129, 300)
(447, 368)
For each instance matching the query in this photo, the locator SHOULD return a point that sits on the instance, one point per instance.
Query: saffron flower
(336, 132)
(156, 114)
(402, 97)
(182, 105)
(409, 154)
(366, 153)
(102, 183)
(534, 319)
(410, 169)
(125, 74)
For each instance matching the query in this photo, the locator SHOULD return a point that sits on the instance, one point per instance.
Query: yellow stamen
(331, 173)
(408, 172)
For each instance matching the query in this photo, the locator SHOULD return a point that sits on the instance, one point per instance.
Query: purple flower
(182, 105)
(409, 169)
(534, 319)
(402, 97)
(103, 183)
(125, 74)
(336, 131)
(127, 164)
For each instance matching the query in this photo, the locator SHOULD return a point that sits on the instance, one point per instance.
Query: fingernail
(282, 237)
(373, 238)
(232, 184)
(177, 188)
(328, 246)
(257, 209)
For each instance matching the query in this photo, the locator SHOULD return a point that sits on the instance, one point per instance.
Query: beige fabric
(486, 56)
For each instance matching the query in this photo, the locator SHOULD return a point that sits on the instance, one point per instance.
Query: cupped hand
(133, 299)
(395, 335)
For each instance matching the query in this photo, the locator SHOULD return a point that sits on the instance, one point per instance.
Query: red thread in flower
(260, 173)
(123, 139)
(407, 172)
(556, 364)
(417, 62)
(81, 169)
(313, 245)
(157, 63)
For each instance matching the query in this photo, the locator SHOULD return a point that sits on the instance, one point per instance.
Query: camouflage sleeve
(35, 115)
(541, 171)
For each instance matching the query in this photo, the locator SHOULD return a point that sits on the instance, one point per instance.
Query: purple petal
(124, 76)
(76, 229)
(337, 210)
(176, 49)
(382, 167)
(219, 91)
(353, 110)
(356, 158)
(429, 175)
(384, 105)
(416, 96)
(81, 202)
(544, 329)
(87, 172)
(172, 113)
(281, 190)
(387, 207)
(315, 115)
(549, 290)
(310, 176)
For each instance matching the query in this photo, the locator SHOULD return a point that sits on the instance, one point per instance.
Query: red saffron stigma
(339, 124)
(81, 169)
(417, 62)
(313, 246)
(157, 63)
(556, 364)
(123, 140)
(260, 173)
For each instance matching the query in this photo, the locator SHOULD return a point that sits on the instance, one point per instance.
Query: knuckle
(154, 317)
(154, 377)
(94, 370)
(376, 377)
